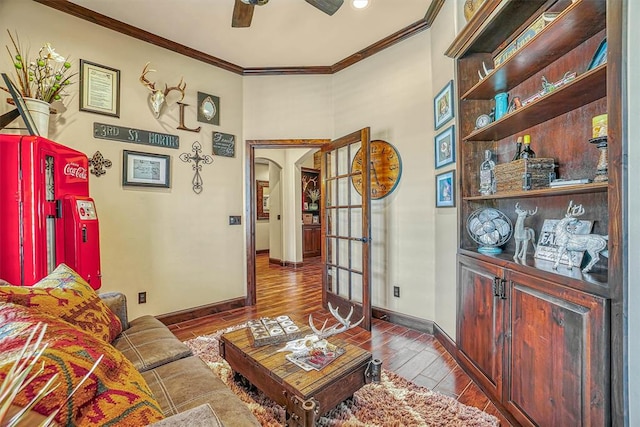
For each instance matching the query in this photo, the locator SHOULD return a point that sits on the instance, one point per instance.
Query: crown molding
(140, 34)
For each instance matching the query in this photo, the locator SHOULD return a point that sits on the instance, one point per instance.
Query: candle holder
(603, 161)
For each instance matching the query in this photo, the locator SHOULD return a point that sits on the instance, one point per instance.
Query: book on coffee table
(316, 358)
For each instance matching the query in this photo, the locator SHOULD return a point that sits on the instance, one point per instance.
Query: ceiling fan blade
(242, 15)
(327, 6)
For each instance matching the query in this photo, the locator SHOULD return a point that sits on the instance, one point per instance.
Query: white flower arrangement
(45, 78)
(314, 195)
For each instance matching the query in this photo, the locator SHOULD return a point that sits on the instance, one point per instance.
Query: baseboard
(201, 311)
(285, 263)
(262, 251)
(447, 342)
(405, 320)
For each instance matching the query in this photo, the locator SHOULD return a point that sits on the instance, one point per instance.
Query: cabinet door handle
(496, 286)
(503, 289)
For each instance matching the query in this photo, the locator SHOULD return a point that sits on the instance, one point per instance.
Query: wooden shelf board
(594, 187)
(577, 23)
(596, 281)
(584, 89)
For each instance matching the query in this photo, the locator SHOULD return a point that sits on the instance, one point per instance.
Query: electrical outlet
(235, 220)
(396, 291)
(142, 297)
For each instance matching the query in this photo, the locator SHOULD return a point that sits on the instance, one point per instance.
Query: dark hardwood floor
(414, 355)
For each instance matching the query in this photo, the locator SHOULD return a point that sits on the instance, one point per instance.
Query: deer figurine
(567, 240)
(523, 235)
(157, 98)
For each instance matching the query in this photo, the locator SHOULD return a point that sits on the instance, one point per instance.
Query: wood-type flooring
(416, 356)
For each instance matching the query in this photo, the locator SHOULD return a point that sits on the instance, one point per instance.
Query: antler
(531, 213)
(180, 88)
(574, 210)
(145, 81)
(343, 325)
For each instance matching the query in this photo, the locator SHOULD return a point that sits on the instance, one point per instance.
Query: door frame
(250, 201)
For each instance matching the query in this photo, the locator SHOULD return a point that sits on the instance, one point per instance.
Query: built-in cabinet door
(557, 363)
(480, 332)
(311, 237)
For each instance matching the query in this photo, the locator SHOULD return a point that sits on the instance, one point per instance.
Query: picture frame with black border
(99, 89)
(208, 108)
(21, 106)
(445, 189)
(445, 147)
(146, 169)
(443, 106)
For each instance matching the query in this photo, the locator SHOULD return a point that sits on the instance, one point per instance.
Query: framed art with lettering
(99, 89)
(224, 144)
(146, 169)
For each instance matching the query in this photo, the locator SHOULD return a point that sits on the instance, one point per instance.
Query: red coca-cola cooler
(46, 214)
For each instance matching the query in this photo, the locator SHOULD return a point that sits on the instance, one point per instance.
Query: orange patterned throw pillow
(64, 294)
(114, 394)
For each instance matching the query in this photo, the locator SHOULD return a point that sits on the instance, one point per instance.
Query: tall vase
(39, 111)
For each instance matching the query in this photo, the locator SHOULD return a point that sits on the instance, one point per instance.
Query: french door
(346, 230)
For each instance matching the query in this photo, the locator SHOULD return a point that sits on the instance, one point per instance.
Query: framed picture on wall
(443, 106)
(445, 147)
(99, 89)
(146, 169)
(445, 189)
(262, 199)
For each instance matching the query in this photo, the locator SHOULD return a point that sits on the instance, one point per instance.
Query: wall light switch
(235, 220)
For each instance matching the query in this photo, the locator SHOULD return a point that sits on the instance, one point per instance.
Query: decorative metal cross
(98, 163)
(197, 167)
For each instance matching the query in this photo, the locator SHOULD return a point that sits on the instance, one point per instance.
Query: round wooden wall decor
(386, 169)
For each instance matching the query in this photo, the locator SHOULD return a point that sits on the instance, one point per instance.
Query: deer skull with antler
(157, 98)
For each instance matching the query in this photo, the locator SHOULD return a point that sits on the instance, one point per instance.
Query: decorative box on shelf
(266, 330)
(524, 174)
(524, 37)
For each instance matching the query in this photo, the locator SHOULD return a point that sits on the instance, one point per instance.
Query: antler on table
(343, 324)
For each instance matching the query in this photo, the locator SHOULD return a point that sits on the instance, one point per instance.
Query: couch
(147, 376)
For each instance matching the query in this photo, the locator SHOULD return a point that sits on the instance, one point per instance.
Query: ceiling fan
(243, 9)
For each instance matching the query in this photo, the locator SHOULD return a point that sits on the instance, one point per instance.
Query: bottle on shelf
(518, 149)
(487, 175)
(527, 152)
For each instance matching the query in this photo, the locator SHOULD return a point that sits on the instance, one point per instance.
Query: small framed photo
(99, 89)
(445, 147)
(208, 108)
(316, 219)
(146, 169)
(443, 106)
(445, 189)
(305, 206)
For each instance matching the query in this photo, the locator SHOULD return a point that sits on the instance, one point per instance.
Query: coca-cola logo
(74, 169)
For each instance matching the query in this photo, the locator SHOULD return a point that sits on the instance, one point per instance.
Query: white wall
(633, 291)
(392, 93)
(446, 219)
(175, 245)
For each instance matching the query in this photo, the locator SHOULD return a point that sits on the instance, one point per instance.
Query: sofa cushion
(115, 393)
(200, 416)
(149, 343)
(64, 294)
(187, 383)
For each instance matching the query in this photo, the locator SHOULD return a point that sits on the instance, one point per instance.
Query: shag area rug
(393, 402)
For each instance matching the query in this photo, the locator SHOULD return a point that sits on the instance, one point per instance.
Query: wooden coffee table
(305, 395)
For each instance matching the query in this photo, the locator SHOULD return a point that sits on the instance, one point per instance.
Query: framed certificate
(99, 89)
